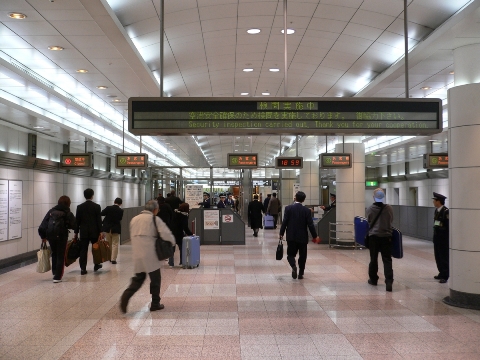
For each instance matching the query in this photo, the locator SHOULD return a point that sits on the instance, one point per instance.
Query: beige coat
(143, 236)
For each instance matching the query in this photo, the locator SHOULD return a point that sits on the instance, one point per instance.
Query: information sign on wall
(435, 161)
(335, 160)
(387, 116)
(193, 195)
(211, 219)
(242, 161)
(11, 199)
(131, 161)
(76, 160)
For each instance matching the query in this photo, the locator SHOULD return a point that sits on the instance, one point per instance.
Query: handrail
(333, 230)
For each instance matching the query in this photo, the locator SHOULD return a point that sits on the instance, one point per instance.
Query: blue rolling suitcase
(361, 229)
(190, 252)
(268, 222)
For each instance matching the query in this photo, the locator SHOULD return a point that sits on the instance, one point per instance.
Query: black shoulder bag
(367, 237)
(164, 249)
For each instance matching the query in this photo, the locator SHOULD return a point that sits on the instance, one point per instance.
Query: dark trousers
(275, 220)
(137, 281)
(381, 245)
(170, 260)
(292, 249)
(84, 243)
(440, 249)
(58, 247)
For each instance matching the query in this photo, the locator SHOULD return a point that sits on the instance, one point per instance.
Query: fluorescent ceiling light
(289, 31)
(102, 87)
(265, 93)
(83, 71)
(248, 70)
(452, 72)
(274, 70)
(38, 127)
(55, 48)
(243, 94)
(253, 31)
(426, 88)
(17, 16)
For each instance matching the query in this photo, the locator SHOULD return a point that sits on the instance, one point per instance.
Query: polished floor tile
(240, 304)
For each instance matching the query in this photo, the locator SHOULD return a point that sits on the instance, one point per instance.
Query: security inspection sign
(227, 218)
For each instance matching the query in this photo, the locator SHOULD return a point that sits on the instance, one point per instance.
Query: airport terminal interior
(138, 98)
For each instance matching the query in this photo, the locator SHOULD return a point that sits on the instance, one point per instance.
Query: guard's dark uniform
(332, 205)
(441, 241)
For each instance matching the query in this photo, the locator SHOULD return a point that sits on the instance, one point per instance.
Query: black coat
(111, 222)
(179, 225)
(255, 210)
(296, 220)
(173, 201)
(89, 221)
(165, 213)
(332, 205)
(70, 222)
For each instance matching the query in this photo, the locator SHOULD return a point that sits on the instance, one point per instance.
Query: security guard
(206, 200)
(441, 237)
(333, 199)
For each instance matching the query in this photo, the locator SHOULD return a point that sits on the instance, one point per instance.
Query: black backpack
(57, 227)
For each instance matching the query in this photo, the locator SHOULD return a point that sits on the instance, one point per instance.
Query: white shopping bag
(43, 256)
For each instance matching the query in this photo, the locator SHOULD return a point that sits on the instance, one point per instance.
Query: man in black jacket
(173, 200)
(296, 220)
(89, 223)
(111, 226)
(441, 237)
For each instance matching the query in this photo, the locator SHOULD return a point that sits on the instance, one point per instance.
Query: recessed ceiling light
(289, 31)
(248, 70)
(117, 100)
(274, 70)
(83, 71)
(55, 48)
(452, 72)
(265, 93)
(243, 94)
(102, 87)
(73, 140)
(17, 16)
(38, 127)
(426, 88)
(253, 31)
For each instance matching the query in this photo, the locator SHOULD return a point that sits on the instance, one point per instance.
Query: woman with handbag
(54, 228)
(144, 231)
(180, 228)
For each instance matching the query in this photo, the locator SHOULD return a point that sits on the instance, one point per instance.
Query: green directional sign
(131, 161)
(371, 183)
(335, 160)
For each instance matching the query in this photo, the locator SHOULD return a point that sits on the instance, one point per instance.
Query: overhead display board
(131, 161)
(76, 160)
(301, 116)
(435, 161)
(335, 160)
(289, 162)
(242, 161)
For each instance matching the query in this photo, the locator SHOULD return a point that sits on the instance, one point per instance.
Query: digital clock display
(289, 163)
(76, 160)
(131, 161)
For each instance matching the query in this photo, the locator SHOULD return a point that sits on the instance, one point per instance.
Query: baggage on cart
(268, 222)
(191, 251)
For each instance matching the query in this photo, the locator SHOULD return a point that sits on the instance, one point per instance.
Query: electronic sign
(335, 160)
(435, 161)
(289, 162)
(300, 116)
(371, 183)
(76, 160)
(131, 161)
(242, 161)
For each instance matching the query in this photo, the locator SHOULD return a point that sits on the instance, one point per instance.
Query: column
(309, 175)
(464, 172)
(351, 183)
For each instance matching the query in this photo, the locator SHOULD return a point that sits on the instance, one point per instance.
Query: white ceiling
(339, 48)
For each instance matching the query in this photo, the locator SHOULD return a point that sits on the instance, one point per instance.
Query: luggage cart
(343, 234)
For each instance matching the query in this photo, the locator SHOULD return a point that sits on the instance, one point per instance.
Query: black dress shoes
(97, 267)
(84, 272)
(371, 282)
(300, 277)
(294, 272)
(155, 307)
(443, 281)
(437, 277)
(389, 285)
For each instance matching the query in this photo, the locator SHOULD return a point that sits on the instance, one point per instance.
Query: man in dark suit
(173, 200)
(206, 201)
(221, 204)
(111, 226)
(296, 220)
(441, 237)
(89, 223)
(333, 199)
(255, 210)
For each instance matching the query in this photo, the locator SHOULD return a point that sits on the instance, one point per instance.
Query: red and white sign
(227, 218)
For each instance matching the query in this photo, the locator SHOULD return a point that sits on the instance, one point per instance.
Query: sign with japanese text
(435, 161)
(242, 161)
(131, 161)
(335, 160)
(76, 160)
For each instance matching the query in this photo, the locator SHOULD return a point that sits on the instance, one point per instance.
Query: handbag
(72, 251)
(164, 249)
(43, 256)
(101, 251)
(367, 237)
(279, 254)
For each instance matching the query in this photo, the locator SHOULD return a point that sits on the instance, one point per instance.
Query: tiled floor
(240, 304)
